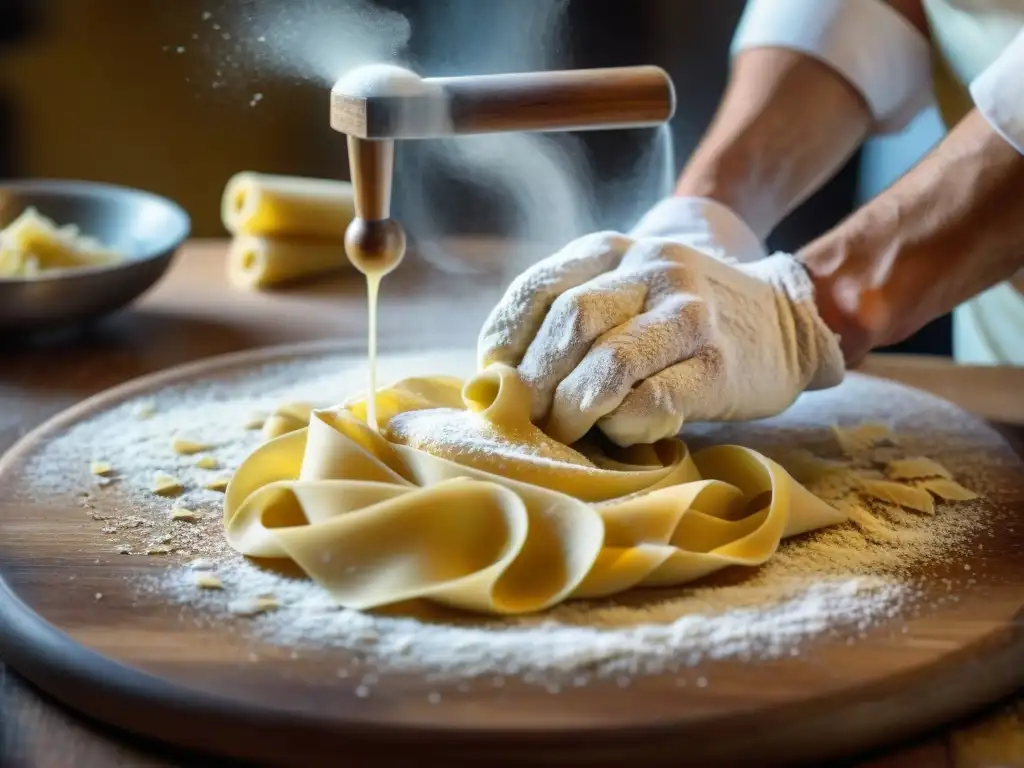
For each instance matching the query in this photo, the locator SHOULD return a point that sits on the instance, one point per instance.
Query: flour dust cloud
(541, 185)
(540, 182)
(310, 41)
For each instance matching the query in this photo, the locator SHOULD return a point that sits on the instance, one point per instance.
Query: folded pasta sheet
(460, 500)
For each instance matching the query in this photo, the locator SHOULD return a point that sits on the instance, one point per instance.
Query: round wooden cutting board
(154, 668)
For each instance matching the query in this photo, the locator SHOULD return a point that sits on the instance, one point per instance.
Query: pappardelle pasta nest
(461, 500)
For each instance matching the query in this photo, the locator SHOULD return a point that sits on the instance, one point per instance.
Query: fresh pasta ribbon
(459, 499)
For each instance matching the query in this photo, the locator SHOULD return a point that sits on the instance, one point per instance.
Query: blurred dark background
(132, 92)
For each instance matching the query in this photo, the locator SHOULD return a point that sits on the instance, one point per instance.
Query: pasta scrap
(916, 468)
(899, 495)
(805, 467)
(861, 439)
(166, 485)
(948, 489)
(208, 581)
(218, 484)
(252, 606)
(256, 421)
(185, 447)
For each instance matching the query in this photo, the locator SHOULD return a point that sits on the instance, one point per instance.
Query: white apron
(968, 36)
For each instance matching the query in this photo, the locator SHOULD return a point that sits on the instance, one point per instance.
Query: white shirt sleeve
(703, 224)
(873, 46)
(998, 93)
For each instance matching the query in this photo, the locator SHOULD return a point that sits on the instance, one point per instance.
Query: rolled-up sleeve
(998, 93)
(878, 51)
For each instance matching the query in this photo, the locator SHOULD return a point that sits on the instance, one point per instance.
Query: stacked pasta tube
(284, 228)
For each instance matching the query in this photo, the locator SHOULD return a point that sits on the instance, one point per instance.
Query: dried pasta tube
(263, 262)
(268, 205)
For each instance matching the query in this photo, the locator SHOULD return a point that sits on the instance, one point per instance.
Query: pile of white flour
(842, 581)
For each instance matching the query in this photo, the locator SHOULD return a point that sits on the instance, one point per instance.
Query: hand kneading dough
(266, 205)
(461, 500)
(261, 262)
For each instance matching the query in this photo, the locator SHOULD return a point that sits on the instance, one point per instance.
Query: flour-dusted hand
(638, 333)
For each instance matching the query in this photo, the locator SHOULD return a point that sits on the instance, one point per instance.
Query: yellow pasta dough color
(461, 500)
(268, 205)
(33, 244)
(263, 262)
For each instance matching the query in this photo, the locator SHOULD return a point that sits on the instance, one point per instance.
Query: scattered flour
(660, 635)
(466, 435)
(313, 41)
(840, 582)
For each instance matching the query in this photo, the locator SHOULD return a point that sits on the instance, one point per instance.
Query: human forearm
(810, 80)
(951, 227)
(786, 124)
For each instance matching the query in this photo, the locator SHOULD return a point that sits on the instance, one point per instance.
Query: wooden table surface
(193, 314)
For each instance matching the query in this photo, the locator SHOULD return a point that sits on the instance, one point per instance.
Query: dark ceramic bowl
(145, 228)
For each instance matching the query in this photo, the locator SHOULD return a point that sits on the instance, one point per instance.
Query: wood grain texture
(989, 392)
(620, 97)
(566, 100)
(193, 314)
(156, 670)
(371, 167)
